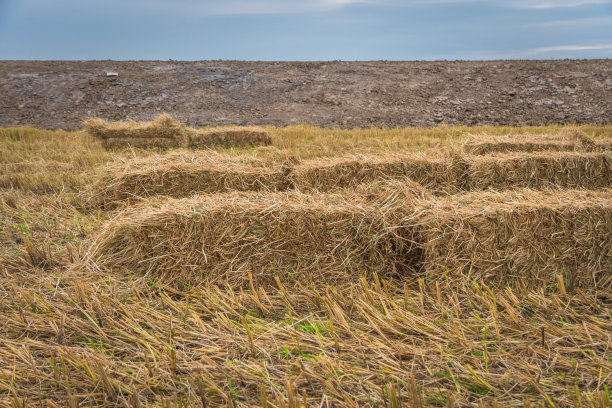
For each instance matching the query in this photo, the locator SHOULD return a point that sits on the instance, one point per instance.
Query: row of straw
(166, 132)
(181, 174)
(519, 237)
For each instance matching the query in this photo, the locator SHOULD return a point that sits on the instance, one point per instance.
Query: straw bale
(140, 142)
(519, 143)
(525, 237)
(228, 137)
(542, 170)
(180, 174)
(446, 173)
(163, 127)
(222, 238)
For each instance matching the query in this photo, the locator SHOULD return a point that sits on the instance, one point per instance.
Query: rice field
(154, 265)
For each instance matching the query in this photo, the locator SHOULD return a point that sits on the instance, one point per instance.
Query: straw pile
(222, 238)
(446, 173)
(228, 137)
(180, 174)
(164, 127)
(140, 143)
(514, 143)
(542, 170)
(163, 132)
(524, 237)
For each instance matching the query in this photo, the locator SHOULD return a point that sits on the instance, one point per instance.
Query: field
(402, 267)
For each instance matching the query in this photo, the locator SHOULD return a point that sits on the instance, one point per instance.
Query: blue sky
(305, 29)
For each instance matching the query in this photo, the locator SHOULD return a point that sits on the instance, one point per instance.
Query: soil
(59, 94)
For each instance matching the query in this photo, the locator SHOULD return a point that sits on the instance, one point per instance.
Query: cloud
(236, 7)
(233, 7)
(590, 21)
(530, 4)
(569, 48)
(204, 7)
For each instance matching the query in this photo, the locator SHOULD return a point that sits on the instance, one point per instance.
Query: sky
(303, 30)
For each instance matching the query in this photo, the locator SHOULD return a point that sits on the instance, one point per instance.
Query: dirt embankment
(59, 94)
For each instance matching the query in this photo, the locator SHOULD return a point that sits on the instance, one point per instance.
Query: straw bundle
(525, 237)
(140, 143)
(163, 127)
(447, 174)
(228, 137)
(180, 174)
(542, 170)
(222, 238)
(568, 139)
(527, 143)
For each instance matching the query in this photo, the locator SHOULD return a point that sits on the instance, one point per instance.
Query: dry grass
(230, 136)
(75, 337)
(117, 341)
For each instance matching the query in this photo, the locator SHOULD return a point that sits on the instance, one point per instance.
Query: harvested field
(242, 136)
(381, 291)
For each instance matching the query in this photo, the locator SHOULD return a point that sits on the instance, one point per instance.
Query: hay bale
(525, 143)
(228, 137)
(519, 237)
(181, 174)
(163, 127)
(140, 143)
(542, 170)
(445, 174)
(222, 238)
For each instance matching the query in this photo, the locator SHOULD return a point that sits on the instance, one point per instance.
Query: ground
(59, 94)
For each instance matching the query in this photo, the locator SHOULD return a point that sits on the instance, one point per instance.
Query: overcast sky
(305, 29)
